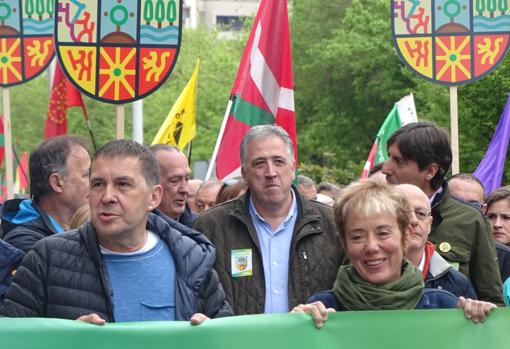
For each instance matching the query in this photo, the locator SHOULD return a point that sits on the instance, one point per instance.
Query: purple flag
(490, 169)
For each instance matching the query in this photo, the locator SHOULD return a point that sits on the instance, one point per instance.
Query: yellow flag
(180, 124)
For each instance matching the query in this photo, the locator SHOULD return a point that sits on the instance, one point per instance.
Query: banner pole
(454, 129)
(218, 141)
(9, 170)
(120, 121)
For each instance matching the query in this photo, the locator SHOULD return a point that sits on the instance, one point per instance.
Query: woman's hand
(318, 311)
(477, 311)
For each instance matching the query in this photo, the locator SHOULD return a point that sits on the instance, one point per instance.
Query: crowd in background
(127, 235)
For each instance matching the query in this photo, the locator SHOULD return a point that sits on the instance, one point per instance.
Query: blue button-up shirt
(275, 247)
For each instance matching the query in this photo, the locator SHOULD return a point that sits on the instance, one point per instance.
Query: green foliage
(219, 63)
(350, 76)
(347, 77)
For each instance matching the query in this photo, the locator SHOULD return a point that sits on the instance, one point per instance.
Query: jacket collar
(436, 204)
(438, 265)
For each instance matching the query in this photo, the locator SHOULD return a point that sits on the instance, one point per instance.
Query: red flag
(21, 173)
(263, 91)
(63, 95)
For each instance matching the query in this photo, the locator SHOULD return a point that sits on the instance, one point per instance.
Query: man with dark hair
(58, 170)
(175, 173)
(419, 153)
(275, 248)
(126, 264)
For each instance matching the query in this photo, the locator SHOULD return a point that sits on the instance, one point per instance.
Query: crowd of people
(127, 235)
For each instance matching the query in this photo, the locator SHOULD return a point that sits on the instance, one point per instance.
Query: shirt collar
(292, 211)
(436, 193)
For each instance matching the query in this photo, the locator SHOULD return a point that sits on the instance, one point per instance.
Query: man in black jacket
(127, 264)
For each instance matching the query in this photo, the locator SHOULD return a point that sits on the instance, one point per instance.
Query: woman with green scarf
(373, 222)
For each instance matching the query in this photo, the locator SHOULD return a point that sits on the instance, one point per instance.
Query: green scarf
(357, 294)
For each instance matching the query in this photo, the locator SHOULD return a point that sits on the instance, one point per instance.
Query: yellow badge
(445, 247)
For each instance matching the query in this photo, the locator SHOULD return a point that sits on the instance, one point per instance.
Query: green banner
(418, 329)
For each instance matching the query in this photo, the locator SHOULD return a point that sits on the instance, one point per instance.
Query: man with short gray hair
(274, 248)
(59, 184)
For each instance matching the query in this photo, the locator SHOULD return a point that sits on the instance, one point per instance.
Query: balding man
(468, 188)
(206, 195)
(436, 272)
(175, 173)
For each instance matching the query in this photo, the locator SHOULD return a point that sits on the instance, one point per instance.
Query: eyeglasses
(421, 213)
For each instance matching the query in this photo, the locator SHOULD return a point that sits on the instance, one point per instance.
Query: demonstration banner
(417, 329)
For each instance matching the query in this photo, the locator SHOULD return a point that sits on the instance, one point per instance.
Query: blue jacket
(430, 299)
(10, 257)
(442, 276)
(188, 217)
(24, 224)
(65, 276)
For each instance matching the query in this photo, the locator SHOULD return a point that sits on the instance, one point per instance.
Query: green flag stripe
(250, 114)
(1, 140)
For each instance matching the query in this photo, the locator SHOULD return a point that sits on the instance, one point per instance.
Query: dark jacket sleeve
(212, 300)
(23, 238)
(26, 294)
(484, 267)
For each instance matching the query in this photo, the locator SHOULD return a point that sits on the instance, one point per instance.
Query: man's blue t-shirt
(143, 282)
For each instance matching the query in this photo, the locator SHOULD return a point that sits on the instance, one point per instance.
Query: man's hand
(317, 310)
(477, 311)
(198, 318)
(92, 319)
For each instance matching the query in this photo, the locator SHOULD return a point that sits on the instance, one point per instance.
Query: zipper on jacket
(306, 274)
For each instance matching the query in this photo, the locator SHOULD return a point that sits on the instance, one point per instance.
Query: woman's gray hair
(264, 131)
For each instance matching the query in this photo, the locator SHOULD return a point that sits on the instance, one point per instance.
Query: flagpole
(120, 121)
(19, 162)
(454, 129)
(8, 143)
(138, 121)
(190, 147)
(220, 136)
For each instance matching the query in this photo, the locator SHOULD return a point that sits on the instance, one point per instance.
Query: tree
(148, 11)
(29, 8)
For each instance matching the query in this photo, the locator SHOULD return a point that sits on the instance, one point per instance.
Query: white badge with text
(241, 263)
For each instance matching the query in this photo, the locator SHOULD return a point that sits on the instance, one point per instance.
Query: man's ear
(431, 171)
(243, 173)
(156, 194)
(56, 182)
